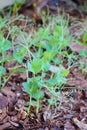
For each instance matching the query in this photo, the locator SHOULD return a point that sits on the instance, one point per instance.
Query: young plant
(83, 64)
(5, 45)
(84, 38)
(17, 5)
(47, 45)
(36, 54)
(33, 87)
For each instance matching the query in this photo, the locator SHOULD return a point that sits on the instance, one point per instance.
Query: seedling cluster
(39, 54)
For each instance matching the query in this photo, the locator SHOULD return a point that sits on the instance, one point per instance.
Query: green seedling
(33, 88)
(17, 5)
(49, 44)
(5, 45)
(2, 22)
(19, 54)
(83, 53)
(83, 65)
(35, 55)
(84, 39)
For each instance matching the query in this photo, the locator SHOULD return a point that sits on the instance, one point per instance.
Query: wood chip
(7, 92)
(5, 126)
(80, 124)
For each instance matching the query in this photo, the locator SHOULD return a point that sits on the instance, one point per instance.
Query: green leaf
(4, 45)
(43, 33)
(57, 31)
(40, 44)
(19, 70)
(2, 71)
(36, 65)
(52, 101)
(40, 33)
(57, 60)
(2, 22)
(26, 87)
(7, 45)
(33, 103)
(64, 73)
(19, 54)
(6, 59)
(48, 55)
(54, 41)
(41, 95)
(33, 88)
(85, 38)
(61, 80)
(46, 66)
(30, 69)
(51, 81)
(1, 38)
(83, 53)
